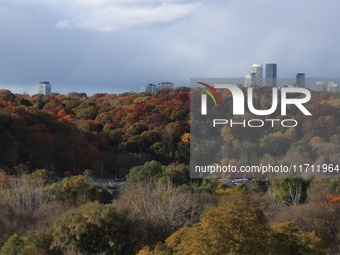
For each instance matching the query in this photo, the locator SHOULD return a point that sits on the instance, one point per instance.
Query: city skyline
(117, 46)
(253, 77)
(316, 84)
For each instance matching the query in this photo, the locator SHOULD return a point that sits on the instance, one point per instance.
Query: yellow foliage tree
(287, 238)
(316, 140)
(236, 226)
(240, 189)
(291, 134)
(227, 134)
(186, 138)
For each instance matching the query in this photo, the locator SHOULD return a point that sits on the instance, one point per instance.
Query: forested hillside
(76, 132)
(73, 132)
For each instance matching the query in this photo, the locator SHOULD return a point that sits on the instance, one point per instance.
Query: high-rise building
(333, 86)
(44, 87)
(165, 85)
(152, 88)
(254, 76)
(300, 80)
(250, 79)
(271, 74)
(320, 86)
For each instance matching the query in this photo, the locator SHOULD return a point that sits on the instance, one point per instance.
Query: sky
(115, 46)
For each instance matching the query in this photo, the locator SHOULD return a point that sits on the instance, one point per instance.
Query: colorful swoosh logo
(213, 90)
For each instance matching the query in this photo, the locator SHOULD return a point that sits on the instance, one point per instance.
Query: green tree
(175, 175)
(94, 229)
(46, 175)
(150, 171)
(104, 196)
(40, 104)
(39, 242)
(86, 111)
(74, 190)
(88, 174)
(259, 185)
(13, 245)
(293, 191)
(275, 144)
(116, 136)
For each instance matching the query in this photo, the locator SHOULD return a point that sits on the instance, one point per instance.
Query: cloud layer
(111, 16)
(161, 40)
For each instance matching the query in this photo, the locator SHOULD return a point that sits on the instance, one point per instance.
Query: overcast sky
(118, 45)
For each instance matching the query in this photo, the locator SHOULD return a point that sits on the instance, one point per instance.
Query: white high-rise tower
(44, 87)
(254, 76)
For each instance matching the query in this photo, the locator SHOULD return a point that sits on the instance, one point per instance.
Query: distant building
(254, 76)
(249, 79)
(300, 80)
(320, 86)
(152, 88)
(44, 87)
(333, 87)
(165, 85)
(271, 74)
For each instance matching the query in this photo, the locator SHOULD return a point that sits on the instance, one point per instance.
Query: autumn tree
(286, 238)
(236, 226)
(73, 191)
(95, 229)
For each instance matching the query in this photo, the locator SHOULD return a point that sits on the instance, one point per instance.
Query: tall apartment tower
(300, 80)
(271, 74)
(44, 87)
(254, 76)
(333, 86)
(320, 86)
(165, 85)
(152, 88)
